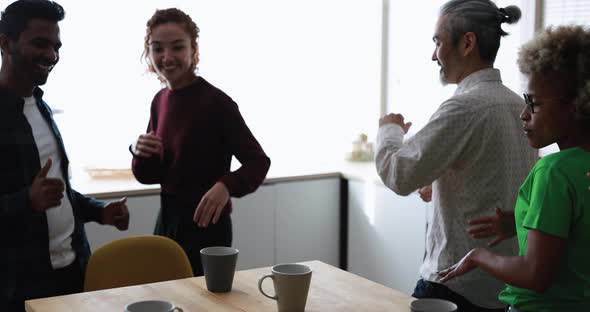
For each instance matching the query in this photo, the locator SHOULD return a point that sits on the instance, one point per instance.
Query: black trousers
(33, 284)
(426, 289)
(175, 221)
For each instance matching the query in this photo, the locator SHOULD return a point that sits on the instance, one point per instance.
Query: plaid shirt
(24, 241)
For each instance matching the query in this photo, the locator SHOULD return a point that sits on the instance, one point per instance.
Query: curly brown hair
(171, 15)
(563, 50)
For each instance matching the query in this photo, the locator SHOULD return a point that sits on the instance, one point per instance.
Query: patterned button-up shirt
(474, 152)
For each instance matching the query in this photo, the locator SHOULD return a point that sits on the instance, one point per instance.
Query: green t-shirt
(555, 200)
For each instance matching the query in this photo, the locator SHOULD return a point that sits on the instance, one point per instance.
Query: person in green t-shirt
(552, 214)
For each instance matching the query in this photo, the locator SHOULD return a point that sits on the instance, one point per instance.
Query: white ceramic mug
(152, 306)
(432, 305)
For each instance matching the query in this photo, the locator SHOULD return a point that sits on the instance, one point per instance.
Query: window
(304, 73)
(559, 12)
(563, 12)
(414, 86)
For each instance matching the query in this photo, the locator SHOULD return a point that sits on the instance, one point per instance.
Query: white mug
(432, 305)
(152, 306)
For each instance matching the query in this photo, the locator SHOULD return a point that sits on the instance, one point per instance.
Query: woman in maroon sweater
(193, 132)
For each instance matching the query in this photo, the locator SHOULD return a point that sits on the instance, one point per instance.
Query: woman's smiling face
(172, 54)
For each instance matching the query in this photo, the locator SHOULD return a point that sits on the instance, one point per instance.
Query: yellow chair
(136, 260)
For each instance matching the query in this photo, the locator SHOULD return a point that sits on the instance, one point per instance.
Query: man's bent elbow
(401, 189)
(394, 184)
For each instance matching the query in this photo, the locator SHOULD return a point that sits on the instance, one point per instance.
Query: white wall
(386, 235)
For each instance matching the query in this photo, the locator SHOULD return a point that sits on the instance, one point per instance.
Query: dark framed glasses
(531, 104)
(528, 100)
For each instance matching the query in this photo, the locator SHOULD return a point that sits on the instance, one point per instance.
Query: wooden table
(331, 289)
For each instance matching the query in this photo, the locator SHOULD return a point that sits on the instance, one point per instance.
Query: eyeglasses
(528, 100)
(530, 104)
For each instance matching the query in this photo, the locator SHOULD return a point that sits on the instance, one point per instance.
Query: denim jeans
(426, 289)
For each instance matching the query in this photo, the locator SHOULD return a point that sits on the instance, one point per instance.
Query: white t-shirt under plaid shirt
(474, 152)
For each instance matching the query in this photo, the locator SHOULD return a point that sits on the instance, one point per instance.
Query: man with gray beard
(472, 151)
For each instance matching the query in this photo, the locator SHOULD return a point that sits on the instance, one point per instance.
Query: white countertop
(278, 173)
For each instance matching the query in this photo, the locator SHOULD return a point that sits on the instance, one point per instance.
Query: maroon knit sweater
(201, 129)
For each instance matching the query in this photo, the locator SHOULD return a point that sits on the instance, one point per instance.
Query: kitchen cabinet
(280, 222)
(300, 220)
(308, 221)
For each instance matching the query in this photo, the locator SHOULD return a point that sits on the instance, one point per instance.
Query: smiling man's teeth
(45, 67)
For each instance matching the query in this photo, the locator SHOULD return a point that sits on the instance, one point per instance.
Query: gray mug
(219, 266)
(152, 306)
(291, 283)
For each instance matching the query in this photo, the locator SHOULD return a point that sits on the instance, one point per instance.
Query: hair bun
(511, 13)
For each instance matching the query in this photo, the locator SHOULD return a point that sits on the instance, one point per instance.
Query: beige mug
(291, 283)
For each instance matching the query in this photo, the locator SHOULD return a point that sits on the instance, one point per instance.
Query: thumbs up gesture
(116, 213)
(45, 192)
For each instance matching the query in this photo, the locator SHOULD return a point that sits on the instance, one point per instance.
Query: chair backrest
(136, 260)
